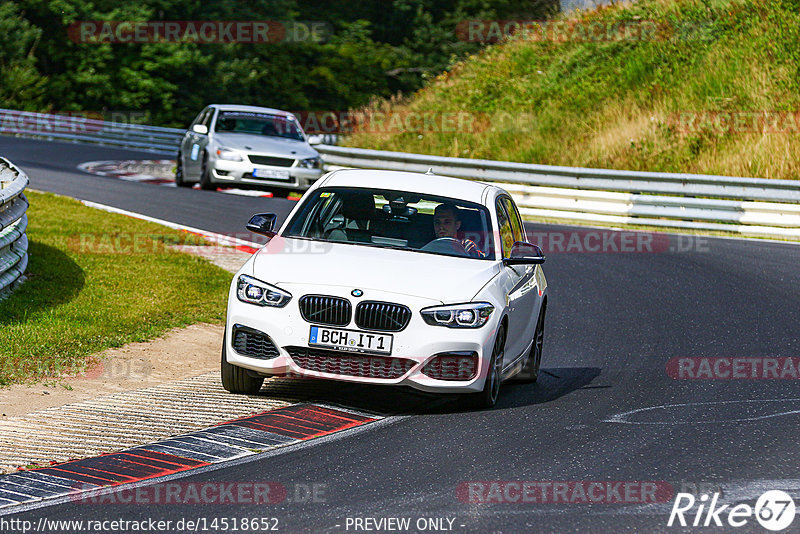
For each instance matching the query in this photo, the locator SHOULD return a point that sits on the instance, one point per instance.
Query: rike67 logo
(774, 510)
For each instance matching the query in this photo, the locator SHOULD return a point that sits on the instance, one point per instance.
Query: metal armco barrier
(748, 206)
(13, 223)
(82, 130)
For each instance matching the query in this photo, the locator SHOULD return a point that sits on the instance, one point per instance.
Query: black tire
(530, 372)
(491, 388)
(237, 379)
(179, 178)
(205, 175)
(280, 192)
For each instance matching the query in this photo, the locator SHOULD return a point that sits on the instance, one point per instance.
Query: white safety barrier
(13, 223)
(748, 206)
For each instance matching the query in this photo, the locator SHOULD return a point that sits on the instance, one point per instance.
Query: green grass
(98, 280)
(618, 104)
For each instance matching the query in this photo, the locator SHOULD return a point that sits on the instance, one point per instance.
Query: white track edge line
(219, 239)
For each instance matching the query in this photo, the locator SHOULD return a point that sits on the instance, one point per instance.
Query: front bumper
(241, 172)
(418, 342)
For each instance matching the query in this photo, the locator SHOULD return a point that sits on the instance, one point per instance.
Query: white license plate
(271, 173)
(350, 340)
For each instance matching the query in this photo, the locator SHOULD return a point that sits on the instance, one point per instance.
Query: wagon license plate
(271, 173)
(350, 340)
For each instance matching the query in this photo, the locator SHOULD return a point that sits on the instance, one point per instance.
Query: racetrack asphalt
(615, 320)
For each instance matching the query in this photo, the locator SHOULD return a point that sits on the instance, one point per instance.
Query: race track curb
(231, 440)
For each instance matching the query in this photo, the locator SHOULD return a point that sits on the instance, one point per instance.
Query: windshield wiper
(393, 247)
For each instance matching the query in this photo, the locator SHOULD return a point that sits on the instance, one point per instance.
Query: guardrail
(13, 223)
(78, 129)
(82, 130)
(748, 206)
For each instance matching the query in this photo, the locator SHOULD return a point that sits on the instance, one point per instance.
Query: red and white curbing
(246, 436)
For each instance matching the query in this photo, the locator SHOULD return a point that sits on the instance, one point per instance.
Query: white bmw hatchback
(390, 278)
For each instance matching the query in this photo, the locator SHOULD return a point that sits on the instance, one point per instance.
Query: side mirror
(202, 129)
(263, 223)
(315, 139)
(525, 254)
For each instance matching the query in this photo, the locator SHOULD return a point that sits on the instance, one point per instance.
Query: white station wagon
(390, 278)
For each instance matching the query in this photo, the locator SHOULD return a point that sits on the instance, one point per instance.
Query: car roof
(252, 109)
(414, 182)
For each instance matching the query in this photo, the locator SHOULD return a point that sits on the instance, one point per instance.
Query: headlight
(253, 291)
(311, 163)
(227, 153)
(471, 315)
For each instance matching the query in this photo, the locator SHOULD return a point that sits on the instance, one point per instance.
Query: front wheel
(491, 387)
(236, 379)
(180, 178)
(205, 175)
(530, 373)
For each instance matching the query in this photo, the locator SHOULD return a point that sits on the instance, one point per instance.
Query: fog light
(452, 366)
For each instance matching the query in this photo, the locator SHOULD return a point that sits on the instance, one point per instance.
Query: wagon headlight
(471, 315)
(254, 291)
(311, 163)
(228, 154)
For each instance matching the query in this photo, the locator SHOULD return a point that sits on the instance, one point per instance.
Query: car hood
(264, 143)
(430, 276)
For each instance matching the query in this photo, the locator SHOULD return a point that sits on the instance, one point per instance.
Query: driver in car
(447, 224)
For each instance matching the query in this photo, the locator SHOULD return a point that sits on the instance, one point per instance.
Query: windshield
(259, 124)
(395, 219)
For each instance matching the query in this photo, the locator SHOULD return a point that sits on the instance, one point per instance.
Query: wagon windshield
(395, 219)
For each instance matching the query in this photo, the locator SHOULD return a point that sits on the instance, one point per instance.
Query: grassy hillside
(706, 86)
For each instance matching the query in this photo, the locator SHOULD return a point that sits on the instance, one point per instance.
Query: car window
(395, 219)
(513, 215)
(199, 118)
(506, 232)
(207, 119)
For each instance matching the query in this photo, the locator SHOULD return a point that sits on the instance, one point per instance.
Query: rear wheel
(236, 379)
(180, 179)
(205, 175)
(491, 387)
(530, 372)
